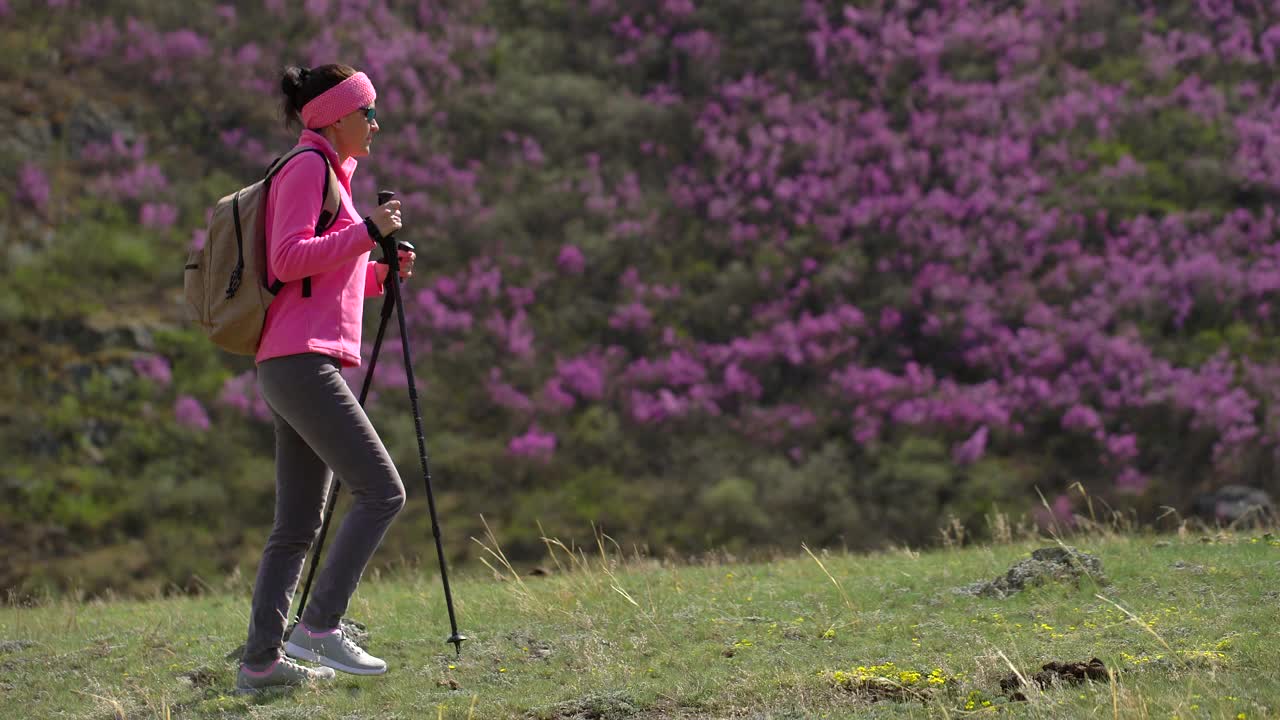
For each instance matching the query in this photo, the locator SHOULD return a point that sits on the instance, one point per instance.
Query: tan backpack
(225, 281)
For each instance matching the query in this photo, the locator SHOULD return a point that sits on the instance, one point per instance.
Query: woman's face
(355, 132)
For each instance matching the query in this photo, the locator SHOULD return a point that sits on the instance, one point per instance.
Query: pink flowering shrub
(189, 412)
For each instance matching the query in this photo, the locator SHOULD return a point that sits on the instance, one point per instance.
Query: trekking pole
(393, 257)
(387, 304)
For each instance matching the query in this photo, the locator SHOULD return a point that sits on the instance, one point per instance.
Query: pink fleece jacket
(328, 322)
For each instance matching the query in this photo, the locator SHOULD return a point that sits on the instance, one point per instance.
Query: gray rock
(1234, 503)
(1190, 567)
(117, 332)
(601, 706)
(1051, 564)
(32, 136)
(12, 646)
(357, 631)
(93, 122)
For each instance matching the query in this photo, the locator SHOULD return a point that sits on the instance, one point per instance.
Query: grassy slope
(633, 639)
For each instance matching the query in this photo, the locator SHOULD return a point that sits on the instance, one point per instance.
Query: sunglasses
(370, 114)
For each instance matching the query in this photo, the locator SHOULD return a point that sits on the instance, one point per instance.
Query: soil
(1057, 673)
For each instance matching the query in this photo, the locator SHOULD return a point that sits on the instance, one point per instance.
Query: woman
(312, 331)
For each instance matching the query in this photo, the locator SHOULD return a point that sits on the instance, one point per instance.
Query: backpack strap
(330, 203)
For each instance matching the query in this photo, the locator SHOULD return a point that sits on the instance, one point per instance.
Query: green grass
(1186, 623)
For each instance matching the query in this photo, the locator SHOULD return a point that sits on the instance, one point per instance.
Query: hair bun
(294, 78)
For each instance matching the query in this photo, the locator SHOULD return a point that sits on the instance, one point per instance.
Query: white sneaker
(281, 673)
(332, 648)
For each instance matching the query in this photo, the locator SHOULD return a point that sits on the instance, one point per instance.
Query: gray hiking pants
(319, 426)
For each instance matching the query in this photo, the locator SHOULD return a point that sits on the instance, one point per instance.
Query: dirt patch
(889, 683)
(537, 649)
(1056, 673)
(1051, 564)
(1188, 567)
(605, 706)
(201, 677)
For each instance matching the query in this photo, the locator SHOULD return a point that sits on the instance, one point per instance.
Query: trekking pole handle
(384, 197)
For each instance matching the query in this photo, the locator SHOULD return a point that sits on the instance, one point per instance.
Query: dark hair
(302, 85)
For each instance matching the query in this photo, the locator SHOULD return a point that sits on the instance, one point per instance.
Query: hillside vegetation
(727, 274)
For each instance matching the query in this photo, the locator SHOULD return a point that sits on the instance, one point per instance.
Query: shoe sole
(265, 689)
(300, 653)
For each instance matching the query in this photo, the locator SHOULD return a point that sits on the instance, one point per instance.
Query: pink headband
(338, 101)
